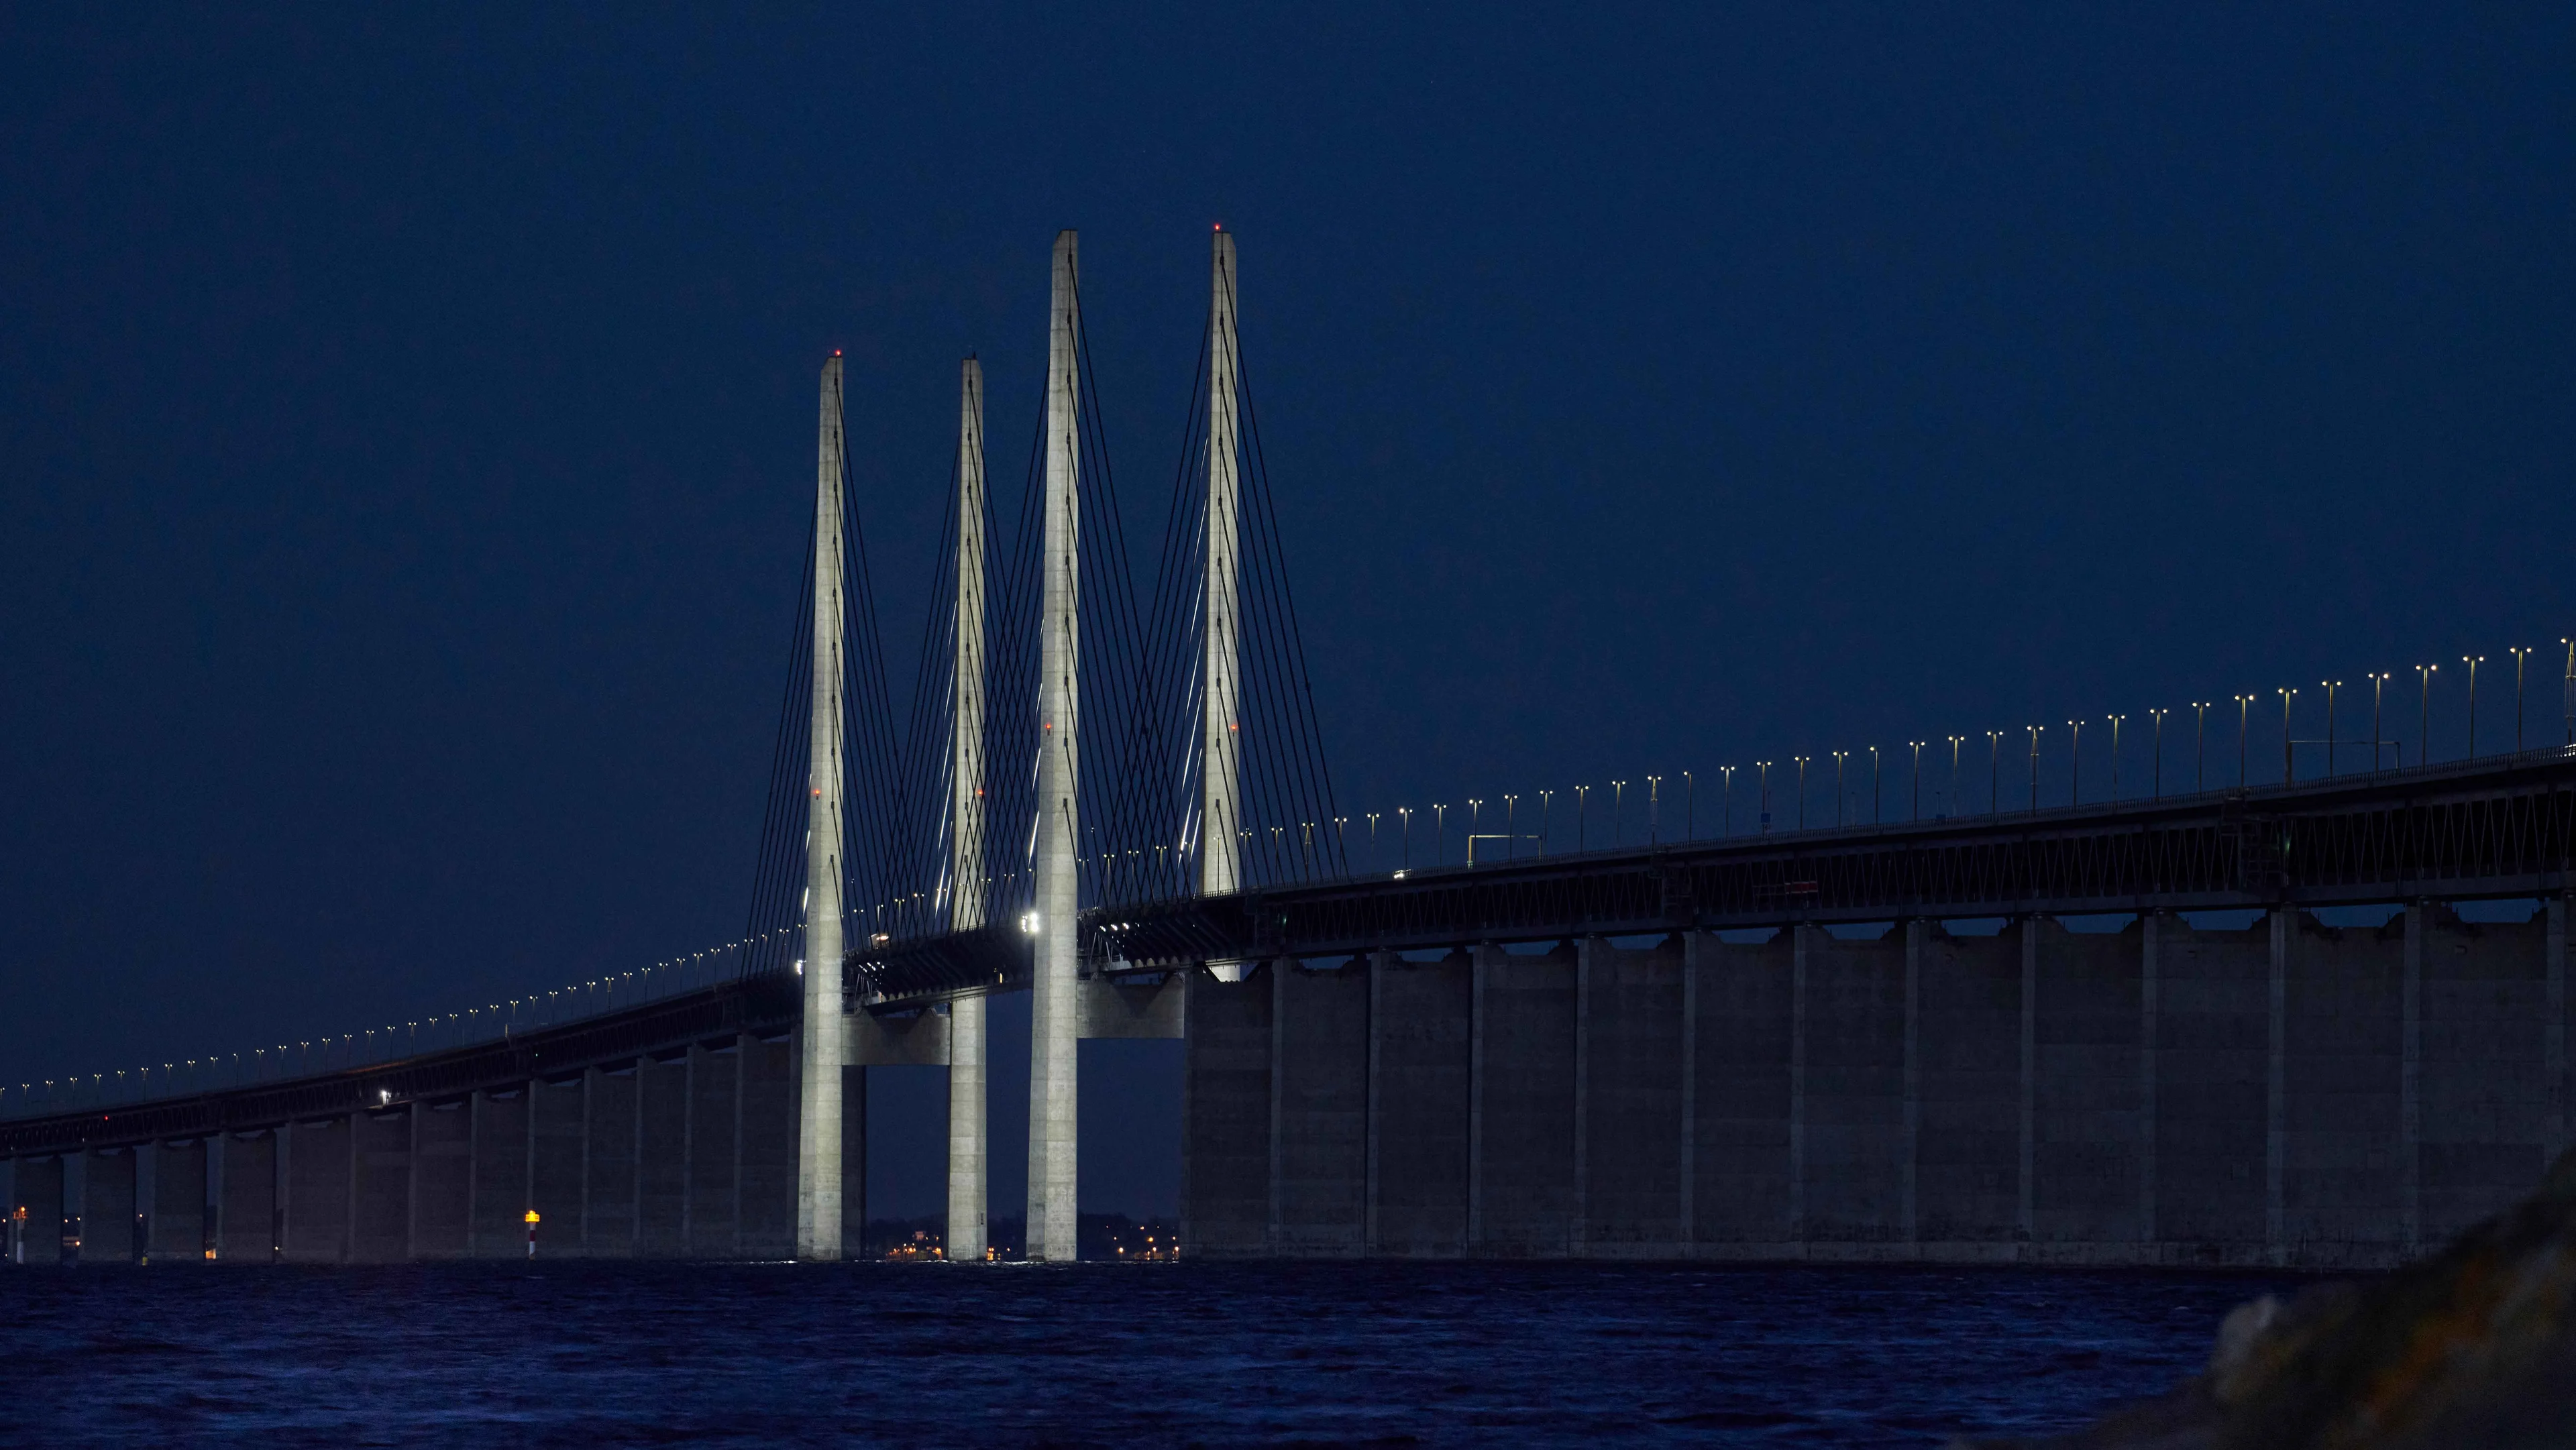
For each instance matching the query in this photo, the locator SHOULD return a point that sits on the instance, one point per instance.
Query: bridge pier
(107, 1206)
(37, 1187)
(442, 1180)
(662, 1156)
(380, 1197)
(176, 1230)
(248, 1227)
(2287, 1093)
(500, 1188)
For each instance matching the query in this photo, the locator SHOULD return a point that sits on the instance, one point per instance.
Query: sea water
(593, 1354)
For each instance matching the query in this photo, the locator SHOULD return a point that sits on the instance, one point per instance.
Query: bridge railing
(22, 1096)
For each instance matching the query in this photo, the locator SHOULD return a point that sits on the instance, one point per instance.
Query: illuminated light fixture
(1029, 923)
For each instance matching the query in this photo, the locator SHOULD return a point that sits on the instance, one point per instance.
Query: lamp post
(1994, 772)
(2243, 703)
(1654, 809)
(2473, 661)
(2519, 655)
(2159, 717)
(1472, 811)
(2200, 745)
(2330, 687)
(1726, 800)
(2424, 720)
(2034, 769)
(1372, 820)
(1917, 747)
(2378, 688)
(1690, 807)
(1582, 814)
(1544, 798)
(1764, 812)
(1839, 757)
(2115, 755)
(1873, 785)
(1511, 832)
(1802, 788)
(1405, 814)
(2075, 762)
(2288, 772)
(1618, 798)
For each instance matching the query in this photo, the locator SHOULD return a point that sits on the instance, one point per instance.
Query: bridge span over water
(2266, 1025)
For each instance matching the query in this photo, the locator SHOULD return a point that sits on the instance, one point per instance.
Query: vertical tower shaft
(822, 1044)
(1220, 735)
(1052, 1025)
(966, 1080)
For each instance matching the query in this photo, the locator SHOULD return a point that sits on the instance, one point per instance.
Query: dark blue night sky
(406, 420)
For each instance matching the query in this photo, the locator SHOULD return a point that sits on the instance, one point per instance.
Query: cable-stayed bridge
(1996, 1035)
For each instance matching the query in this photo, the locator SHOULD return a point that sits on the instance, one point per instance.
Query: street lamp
(1582, 813)
(2159, 717)
(1654, 809)
(1544, 798)
(2330, 686)
(1839, 757)
(2034, 768)
(1439, 834)
(1726, 800)
(2075, 762)
(2288, 773)
(2115, 755)
(2424, 722)
(1511, 832)
(1917, 747)
(2378, 688)
(1405, 814)
(1802, 788)
(2242, 703)
(1765, 767)
(1618, 797)
(2473, 661)
(1873, 785)
(1690, 807)
(2200, 745)
(2519, 655)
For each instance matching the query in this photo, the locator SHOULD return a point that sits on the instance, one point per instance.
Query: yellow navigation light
(532, 1216)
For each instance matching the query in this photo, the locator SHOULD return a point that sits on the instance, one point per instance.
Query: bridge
(1998, 1036)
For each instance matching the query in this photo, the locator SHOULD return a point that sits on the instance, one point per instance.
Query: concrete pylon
(1220, 734)
(822, 1041)
(1052, 1003)
(966, 1120)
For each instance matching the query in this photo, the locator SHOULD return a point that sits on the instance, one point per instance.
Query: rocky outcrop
(2475, 1346)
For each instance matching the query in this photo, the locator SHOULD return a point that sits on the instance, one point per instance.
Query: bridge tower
(1056, 966)
(822, 1042)
(1220, 738)
(966, 1033)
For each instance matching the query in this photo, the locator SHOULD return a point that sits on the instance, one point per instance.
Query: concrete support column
(2554, 1031)
(1908, 1215)
(2024, 1189)
(967, 1147)
(2151, 934)
(107, 1206)
(1798, 1082)
(2276, 1110)
(246, 1222)
(1278, 972)
(38, 1188)
(1054, 1011)
(823, 1038)
(1689, 1208)
(1586, 957)
(1377, 968)
(1480, 971)
(178, 1222)
(2410, 1082)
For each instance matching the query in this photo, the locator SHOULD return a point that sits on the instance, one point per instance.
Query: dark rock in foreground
(2473, 1347)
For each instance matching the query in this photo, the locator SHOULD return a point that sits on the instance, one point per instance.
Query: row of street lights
(2380, 746)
